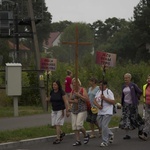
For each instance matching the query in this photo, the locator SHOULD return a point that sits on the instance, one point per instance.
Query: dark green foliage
(30, 90)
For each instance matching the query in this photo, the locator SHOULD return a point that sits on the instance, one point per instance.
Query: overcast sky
(89, 11)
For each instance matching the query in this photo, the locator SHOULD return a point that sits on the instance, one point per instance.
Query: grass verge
(47, 130)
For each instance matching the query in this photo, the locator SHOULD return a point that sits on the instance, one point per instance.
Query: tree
(141, 30)
(103, 31)
(99, 33)
(42, 19)
(4, 52)
(85, 35)
(60, 26)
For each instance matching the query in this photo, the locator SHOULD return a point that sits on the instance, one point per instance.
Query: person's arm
(72, 100)
(66, 105)
(108, 100)
(138, 90)
(96, 104)
(48, 99)
(83, 96)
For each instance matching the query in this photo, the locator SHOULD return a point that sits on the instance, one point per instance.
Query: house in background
(24, 51)
(53, 40)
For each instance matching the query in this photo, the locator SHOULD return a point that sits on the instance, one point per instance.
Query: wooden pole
(37, 52)
(76, 43)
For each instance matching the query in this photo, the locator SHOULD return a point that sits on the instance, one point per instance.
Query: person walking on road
(104, 100)
(91, 117)
(60, 106)
(146, 95)
(78, 100)
(130, 99)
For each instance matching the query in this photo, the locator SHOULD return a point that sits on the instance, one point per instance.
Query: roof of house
(52, 37)
(21, 46)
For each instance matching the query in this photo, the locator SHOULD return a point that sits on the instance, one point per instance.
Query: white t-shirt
(107, 107)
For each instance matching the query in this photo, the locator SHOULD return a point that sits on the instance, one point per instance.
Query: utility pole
(37, 52)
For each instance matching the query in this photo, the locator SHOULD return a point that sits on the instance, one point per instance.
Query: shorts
(58, 117)
(78, 120)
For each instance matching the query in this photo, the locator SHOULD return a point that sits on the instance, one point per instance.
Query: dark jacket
(136, 92)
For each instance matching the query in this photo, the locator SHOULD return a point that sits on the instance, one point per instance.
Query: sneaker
(111, 138)
(143, 136)
(62, 135)
(77, 143)
(127, 137)
(103, 144)
(86, 139)
(57, 141)
(92, 136)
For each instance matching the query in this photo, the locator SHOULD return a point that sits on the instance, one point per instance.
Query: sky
(89, 11)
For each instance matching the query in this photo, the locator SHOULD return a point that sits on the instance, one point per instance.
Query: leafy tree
(141, 30)
(103, 31)
(85, 34)
(115, 35)
(4, 51)
(60, 26)
(42, 19)
(99, 33)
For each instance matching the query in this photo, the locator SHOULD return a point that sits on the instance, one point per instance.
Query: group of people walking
(73, 102)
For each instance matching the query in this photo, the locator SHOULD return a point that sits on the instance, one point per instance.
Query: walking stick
(104, 71)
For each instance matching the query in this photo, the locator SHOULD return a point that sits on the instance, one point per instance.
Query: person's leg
(127, 136)
(59, 121)
(100, 124)
(100, 130)
(89, 119)
(80, 121)
(94, 121)
(74, 128)
(58, 131)
(92, 131)
(77, 135)
(92, 125)
(105, 130)
(146, 128)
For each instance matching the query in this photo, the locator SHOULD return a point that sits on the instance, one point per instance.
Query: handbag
(88, 104)
(94, 110)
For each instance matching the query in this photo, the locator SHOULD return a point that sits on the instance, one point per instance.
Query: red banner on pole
(48, 64)
(106, 59)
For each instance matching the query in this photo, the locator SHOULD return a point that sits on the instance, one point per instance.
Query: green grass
(35, 132)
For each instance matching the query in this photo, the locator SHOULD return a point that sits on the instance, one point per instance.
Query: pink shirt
(68, 81)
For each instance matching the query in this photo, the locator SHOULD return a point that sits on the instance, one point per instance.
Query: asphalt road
(12, 123)
(119, 143)
(45, 143)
